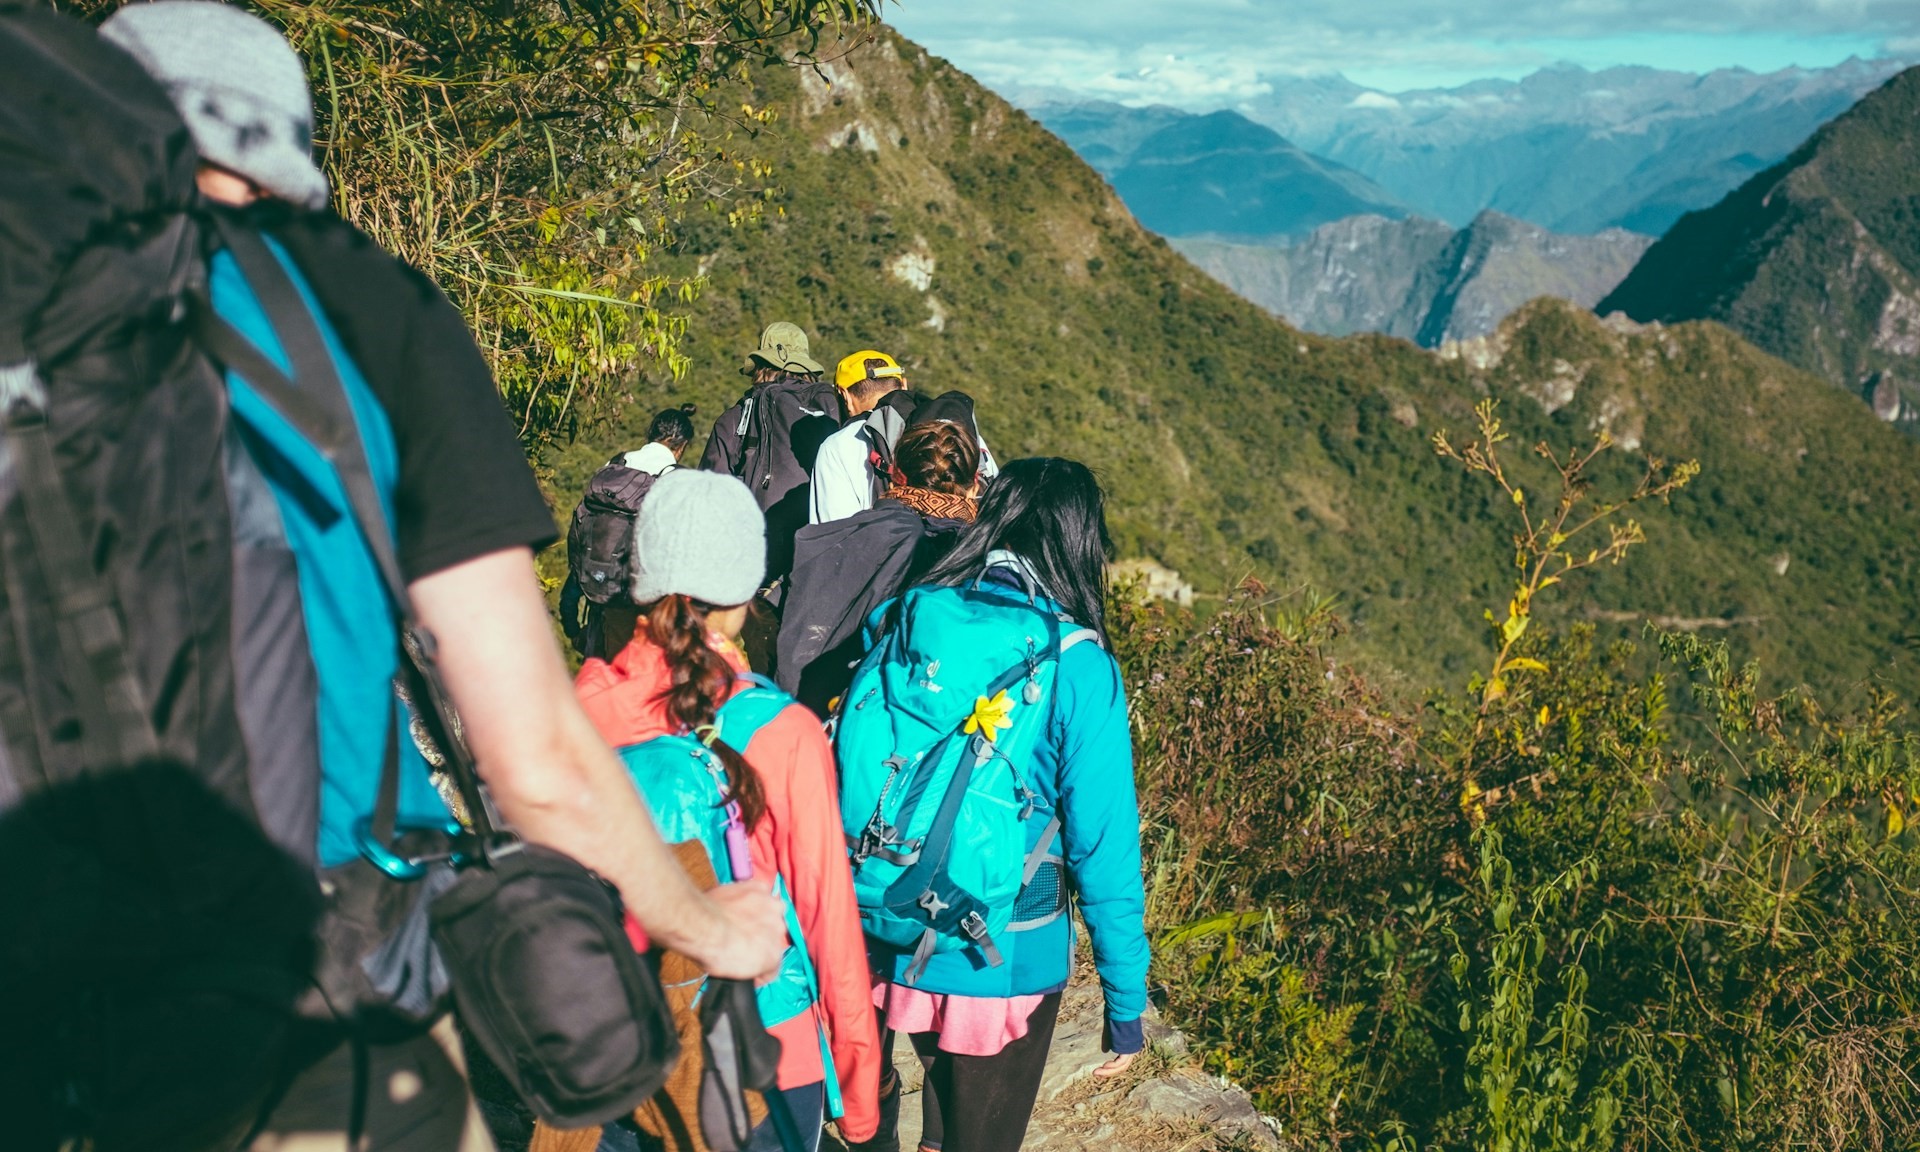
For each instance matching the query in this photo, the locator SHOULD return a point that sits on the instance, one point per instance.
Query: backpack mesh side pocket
(1043, 900)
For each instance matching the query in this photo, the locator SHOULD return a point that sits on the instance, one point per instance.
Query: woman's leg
(887, 1139)
(983, 1103)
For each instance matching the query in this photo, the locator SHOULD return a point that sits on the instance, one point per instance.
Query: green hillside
(1816, 260)
(923, 215)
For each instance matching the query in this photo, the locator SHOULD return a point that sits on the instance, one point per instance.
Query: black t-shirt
(464, 487)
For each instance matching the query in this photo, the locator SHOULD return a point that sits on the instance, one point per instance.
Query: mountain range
(1816, 259)
(1415, 278)
(919, 213)
(1565, 148)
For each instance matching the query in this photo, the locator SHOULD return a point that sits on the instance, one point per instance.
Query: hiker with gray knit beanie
(242, 91)
(700, 553)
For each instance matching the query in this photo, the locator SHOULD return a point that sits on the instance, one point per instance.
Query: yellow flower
(989, 716)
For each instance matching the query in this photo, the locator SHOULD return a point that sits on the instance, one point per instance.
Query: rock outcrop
(1816, 260)
(1419, 279)
(1164, 1103)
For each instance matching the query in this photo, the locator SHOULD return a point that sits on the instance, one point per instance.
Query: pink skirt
(966, 1025)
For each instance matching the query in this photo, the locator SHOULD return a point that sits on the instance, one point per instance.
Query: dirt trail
(1164, 1103)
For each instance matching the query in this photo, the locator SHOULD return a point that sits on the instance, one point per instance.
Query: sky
(1203, 54)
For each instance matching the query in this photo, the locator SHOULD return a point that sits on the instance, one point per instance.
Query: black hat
(947, 408)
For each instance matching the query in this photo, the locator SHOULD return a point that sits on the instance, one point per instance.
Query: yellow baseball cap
(853, 369)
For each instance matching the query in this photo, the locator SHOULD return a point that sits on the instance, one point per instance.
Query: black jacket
(842, 571)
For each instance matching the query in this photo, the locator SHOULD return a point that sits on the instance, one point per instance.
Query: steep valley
(1816, 260)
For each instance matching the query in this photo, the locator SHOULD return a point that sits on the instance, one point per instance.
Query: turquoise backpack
(935, 740)
(685, 786)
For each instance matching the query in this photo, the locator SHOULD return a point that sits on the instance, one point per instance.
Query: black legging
(982, 1103)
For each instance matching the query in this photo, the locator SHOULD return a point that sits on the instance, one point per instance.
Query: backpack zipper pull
(1031, 693)
(878, 833)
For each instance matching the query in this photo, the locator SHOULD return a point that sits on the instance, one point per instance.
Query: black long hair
(1052, 514)
(672, 427)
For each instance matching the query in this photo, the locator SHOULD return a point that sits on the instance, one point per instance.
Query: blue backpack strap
(1026, 670)
(332, 472)
(751, 709)
(739, 720)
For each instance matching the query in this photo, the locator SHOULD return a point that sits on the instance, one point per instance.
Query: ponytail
(702, 680)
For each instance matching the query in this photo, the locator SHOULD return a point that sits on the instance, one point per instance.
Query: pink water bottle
(738, 856)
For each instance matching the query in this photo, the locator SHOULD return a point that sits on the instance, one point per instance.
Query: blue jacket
(1084, 772)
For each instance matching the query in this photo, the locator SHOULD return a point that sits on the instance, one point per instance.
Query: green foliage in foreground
(1584, 907)
(533, 156)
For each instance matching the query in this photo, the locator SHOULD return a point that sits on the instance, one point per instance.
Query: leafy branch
(1548, 546)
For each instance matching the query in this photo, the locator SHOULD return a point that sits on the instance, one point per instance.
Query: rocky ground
(1164, 1103)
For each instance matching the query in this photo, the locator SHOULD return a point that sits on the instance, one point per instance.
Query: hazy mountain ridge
(1217, 173)
(1816, 260)
(922, 215)
(1567, 149)
(1418, 279)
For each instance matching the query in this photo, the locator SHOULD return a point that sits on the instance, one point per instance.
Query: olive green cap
(784, 346)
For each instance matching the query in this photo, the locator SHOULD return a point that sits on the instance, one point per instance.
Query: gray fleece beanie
(237, 83)
(699, 534)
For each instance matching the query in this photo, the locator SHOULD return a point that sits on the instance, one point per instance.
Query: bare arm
(554, 779)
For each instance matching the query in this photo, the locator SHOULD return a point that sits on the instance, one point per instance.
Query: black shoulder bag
(543, 975)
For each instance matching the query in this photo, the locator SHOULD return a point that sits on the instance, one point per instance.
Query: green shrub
(1606, 898)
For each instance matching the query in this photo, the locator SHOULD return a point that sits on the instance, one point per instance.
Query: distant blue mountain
(1566, 149)
(1219, 174)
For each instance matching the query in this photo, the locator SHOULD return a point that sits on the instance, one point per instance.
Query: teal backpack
(685, 787)
(935, 740)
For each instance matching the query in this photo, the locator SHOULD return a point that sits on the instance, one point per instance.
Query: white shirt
(652, 459)
(842, 477)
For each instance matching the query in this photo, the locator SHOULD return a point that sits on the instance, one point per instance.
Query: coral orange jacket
(801, 838)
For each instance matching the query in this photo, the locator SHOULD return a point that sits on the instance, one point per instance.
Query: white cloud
(1215, 52)
(1374, 100)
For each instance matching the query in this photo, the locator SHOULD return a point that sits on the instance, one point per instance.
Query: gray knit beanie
(699, 534)
(237, 83)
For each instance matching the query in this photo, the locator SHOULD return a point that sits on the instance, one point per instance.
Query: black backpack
(600, 539)
(770, 438)
(152, 941)
(162, 927)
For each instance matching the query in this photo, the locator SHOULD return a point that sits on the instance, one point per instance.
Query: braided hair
(701, 681)
(939, 456)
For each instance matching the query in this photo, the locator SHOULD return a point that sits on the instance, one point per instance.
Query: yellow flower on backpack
(989, 716)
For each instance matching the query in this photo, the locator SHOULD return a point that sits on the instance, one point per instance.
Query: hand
(1115, 1066)
(748, 934)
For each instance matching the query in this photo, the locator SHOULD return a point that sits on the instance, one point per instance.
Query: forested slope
(919, 213)
(1816, 260)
